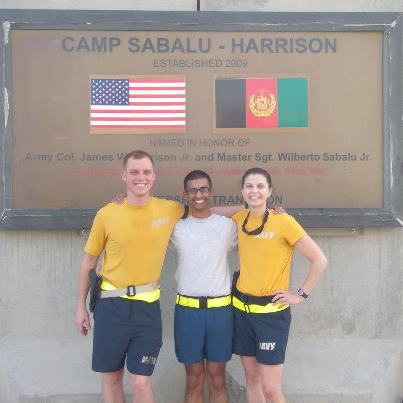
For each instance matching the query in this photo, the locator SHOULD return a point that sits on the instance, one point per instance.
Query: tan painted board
(336, 161)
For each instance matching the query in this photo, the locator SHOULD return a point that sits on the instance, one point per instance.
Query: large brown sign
(309, 106)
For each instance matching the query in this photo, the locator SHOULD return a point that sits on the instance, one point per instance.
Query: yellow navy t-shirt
(134, 240)
(265, 259)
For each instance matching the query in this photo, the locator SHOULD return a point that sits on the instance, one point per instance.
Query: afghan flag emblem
(262, 103)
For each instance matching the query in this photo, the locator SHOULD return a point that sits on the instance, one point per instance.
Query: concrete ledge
(316, 371)
(53, 371)
(80, 398)
(336, 371)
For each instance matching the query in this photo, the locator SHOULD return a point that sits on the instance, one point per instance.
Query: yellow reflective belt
(149, 296)
(211, 302)
(253, 308)
(218, 302)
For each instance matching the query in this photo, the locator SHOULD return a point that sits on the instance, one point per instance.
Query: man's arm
(82, 318)
(227, 211)
(310, 249)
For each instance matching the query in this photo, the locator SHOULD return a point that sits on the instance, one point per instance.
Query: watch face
(301, 293)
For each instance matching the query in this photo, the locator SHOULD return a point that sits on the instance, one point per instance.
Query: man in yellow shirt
(134, 237)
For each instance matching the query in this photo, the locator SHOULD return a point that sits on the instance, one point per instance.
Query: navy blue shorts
(203, 334)
(262, 335)
(126, 330)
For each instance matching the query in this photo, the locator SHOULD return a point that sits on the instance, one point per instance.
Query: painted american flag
(137, 104)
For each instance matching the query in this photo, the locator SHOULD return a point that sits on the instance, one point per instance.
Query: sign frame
(390, 24)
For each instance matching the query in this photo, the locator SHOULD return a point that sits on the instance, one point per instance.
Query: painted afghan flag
(261, 102)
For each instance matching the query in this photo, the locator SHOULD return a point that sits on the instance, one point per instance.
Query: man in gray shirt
(203, 311)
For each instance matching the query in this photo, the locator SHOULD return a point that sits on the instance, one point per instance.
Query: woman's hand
(119, 199)
(286, 297)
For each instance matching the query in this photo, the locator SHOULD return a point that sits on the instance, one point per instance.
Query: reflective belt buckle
(131, 291)
(202, 303)
(245, 301)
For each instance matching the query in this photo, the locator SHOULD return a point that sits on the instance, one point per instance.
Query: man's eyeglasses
(202, 190)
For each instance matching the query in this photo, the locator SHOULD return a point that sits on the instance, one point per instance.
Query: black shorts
(128, 330)
(262, 335)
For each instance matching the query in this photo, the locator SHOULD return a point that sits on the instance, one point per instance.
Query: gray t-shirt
(202, 245)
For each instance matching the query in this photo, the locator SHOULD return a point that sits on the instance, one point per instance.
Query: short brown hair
(256, 171)
(137, 155)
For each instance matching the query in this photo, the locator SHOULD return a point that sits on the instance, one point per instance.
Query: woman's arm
(310, 249)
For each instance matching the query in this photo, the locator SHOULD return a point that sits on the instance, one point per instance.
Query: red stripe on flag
(151, 96)
(136, 119)
(134, 88)
(261, 102)
(156, 103)
(149, 80)
(138, 127)
(138, 111)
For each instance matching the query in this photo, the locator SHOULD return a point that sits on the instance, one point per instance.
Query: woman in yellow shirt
(262, 299)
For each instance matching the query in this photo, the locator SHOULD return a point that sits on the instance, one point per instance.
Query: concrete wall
(360, 296)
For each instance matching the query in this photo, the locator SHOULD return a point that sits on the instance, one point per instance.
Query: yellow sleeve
(180, 210)
(239, 216)
(291, 229)
(97, 238)
(173, 208)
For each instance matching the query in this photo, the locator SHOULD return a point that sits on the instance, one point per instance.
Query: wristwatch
(302, 293)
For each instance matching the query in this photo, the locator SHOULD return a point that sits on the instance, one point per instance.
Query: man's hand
(119, 199)
(286, 297)
(83, 321)
(278, 210)
(82, 318)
